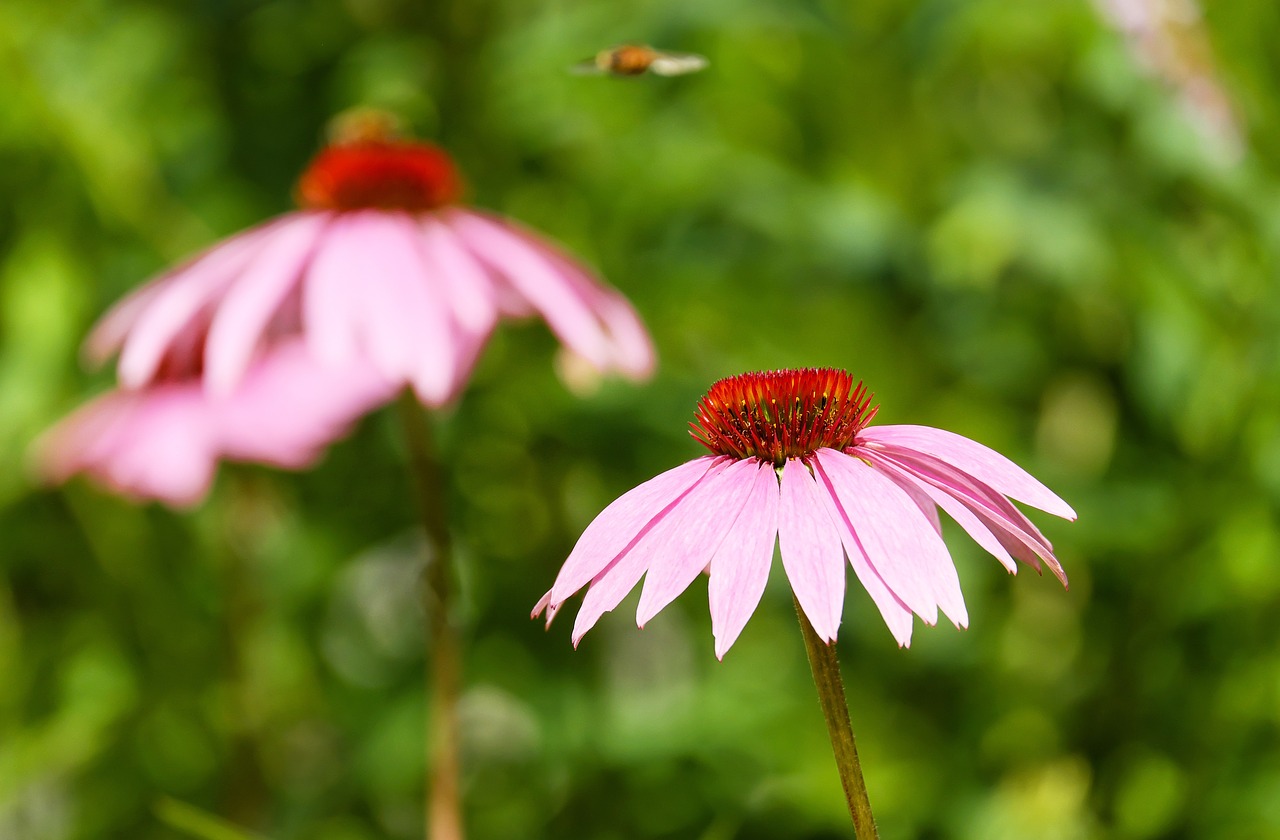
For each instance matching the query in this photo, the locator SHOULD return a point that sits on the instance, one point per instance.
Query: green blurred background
(995, 212)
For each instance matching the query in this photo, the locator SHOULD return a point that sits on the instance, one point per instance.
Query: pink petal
(289, 407)
(331, 294)
(465, 282)
(810, 547)
(164, 441)
(612, 584)
(153, 443)
(369, 291)
(633, 352)
(468, 347)
(166, 451)
(995, 511)
(740, 566)
(1024, 547)
(113, 328)
(955, 509)
(897, 615)
(253, 299)
(885, 522)
(622, 522)
(185, 293)
(632, 348)
(529, 274)
(82, 437)
(683, 543)
(986, 465)
(897, 539)
(544, 605)
(409, 328)
(923, 502)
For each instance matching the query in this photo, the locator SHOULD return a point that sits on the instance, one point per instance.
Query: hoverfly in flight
(636, 59)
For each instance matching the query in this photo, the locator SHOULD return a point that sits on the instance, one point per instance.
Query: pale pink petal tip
(544, 605)
(740, 567)
(810, 545)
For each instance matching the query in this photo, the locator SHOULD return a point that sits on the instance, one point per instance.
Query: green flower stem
(826, 676)
(443, 790)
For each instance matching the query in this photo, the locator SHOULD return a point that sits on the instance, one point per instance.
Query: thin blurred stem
(826, 676)
(443, 791)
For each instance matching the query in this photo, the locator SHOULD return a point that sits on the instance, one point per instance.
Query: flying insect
(638, 59)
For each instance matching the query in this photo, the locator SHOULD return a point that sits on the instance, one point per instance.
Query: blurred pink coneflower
(795, 460)
(381, 280)
(164, 441)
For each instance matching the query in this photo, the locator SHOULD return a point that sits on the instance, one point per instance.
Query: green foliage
(984, 208)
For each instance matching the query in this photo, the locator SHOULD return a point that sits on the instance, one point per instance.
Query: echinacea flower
(795, 460)
(380, 263)
(164, 441)
(380, 281)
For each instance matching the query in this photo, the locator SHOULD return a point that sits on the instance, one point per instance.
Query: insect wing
(590, 67)
(677, 64)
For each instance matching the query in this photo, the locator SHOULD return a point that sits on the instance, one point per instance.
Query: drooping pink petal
(368, 292)
(410, 328)
(972, 525)
(924, 502)
(544, 605)
(1024, 547)
(683, 543)
(624, 571)
(289, 407)
(984, 464)
(632, 348)
(81, 437)
(109, 333)
(165, 451)
(887, 524)
(621, 522)
(466, 283)
(811, 550)
(254, 297)
(960, 485)
(331, 294)
(633, 352)
(469, 346)
(897, 539)
(1008, 524)
(183, 295)
(530, 274)
(740, 566)
(164, 441)
(897, 616)
(151, 444)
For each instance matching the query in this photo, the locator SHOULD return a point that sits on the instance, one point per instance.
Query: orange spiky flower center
(780, 414)
(366, 167)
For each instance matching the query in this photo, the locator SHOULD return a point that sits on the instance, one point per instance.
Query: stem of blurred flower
(443, 791)
(826, 676)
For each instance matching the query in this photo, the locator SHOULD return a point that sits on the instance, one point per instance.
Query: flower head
(379, 264)
(164, 441)
(795, 460)
(381, 270)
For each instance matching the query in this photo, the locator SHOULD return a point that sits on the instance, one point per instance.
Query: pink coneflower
(380, 263)
(164, 441)
(301, 324)
(795, 460)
